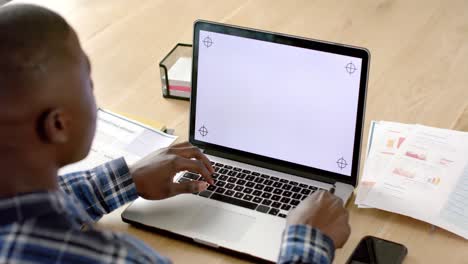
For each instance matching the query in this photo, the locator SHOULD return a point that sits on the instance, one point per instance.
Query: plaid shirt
(56, 226)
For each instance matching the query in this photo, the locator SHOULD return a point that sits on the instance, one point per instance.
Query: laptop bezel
(267, 162)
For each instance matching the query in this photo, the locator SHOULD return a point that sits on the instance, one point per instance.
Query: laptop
(280, 117)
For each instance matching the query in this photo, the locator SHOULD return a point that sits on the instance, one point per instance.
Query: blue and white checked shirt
(56, 227)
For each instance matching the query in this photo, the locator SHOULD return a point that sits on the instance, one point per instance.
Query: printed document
(117, 136)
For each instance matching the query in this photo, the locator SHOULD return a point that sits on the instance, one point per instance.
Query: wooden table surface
(418, 74)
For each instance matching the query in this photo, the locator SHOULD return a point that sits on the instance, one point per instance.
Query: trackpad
(221, 223)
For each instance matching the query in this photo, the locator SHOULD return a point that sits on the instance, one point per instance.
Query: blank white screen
(284, 102)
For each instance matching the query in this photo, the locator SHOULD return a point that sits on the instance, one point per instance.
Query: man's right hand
(324, 211)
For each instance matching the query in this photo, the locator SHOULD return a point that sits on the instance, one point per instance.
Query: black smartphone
(374, 250)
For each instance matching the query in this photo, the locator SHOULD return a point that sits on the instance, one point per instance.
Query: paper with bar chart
(385, 138)
(424, 177)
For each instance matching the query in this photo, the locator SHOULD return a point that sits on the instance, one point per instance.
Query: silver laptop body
(279, 117)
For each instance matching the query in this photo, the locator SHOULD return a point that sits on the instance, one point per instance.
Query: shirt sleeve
(304, 244)
(102, 189)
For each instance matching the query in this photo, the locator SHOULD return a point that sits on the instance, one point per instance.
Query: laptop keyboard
(252, 190)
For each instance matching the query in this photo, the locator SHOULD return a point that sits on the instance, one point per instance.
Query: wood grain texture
(418, 74)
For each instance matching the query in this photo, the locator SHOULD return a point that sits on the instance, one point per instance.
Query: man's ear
(55, 126)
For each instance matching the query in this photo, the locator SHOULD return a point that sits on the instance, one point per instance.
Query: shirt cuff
(119, 187)
(304, 244)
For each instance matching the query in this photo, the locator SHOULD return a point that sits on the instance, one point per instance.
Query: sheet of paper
(117, 137)
(422, 174)
(385, 138)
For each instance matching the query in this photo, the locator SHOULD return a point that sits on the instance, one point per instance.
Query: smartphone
(374, 250)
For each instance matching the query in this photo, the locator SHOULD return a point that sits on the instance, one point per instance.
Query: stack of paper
(418, 171)
(117, 136)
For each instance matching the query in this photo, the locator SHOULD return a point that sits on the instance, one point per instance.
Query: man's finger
(195, 166)
(188, 187)
(182, 145)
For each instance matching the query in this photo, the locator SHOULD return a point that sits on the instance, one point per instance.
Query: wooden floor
(418, 74)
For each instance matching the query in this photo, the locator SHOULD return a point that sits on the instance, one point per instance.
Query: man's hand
(324, 211)
(154, 174)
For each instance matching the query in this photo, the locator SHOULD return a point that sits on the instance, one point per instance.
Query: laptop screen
(279, 101)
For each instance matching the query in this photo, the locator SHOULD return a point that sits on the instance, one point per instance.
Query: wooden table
(418, 74)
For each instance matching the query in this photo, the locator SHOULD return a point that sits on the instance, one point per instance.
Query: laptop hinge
(270, 166)
(206, 243)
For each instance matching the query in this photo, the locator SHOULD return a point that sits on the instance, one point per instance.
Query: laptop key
(214, 175)
(229, 193)
(268, 182)
(285, 200)
(223, 171)
(205, 193)
(211, 188)
(273, 211)
(248, 197)
(250, 184)
(228, 167)
(263, 208)
(241, 182)
(303, 185)
(265, 176)
(238, 195)
(257, 200)
(220, 190)
(234, 201)
(284, 181)
(282, 215)
(259, 186)
(266, 202)
(266, 195)
(277, 185)
(268, 189)
(241, 175)
(274, 178)
(312, 188)
(287, 193)
(277, 191)
(232, 180)
(246, 171)
(293, 183)
(181, 180)
(219, 164)
(286, 207)
(294, 202)
(255, 174)
(250, 178)
(220, 183)
(305, 191)
(237, 169)
(192, 176)
(287, 187)
(238, 188)
(230, 186)
(296, 189)
(276, 204)
(223, 177)
(232, 173)
(297, 196)
(257, 193)
(216, 169)
(248, 190)
(276, 197)
(259, 180)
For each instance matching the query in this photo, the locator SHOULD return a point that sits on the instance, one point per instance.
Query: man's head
(46, 99)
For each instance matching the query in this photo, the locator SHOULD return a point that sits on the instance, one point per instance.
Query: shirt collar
(31, 205)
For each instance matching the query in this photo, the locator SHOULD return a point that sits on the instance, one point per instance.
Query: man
(47, 120)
